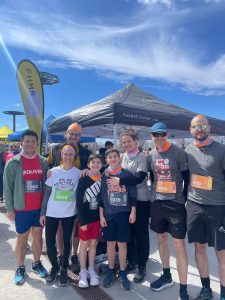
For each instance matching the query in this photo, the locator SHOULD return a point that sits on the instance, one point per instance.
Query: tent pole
(115, 135)
(46, 142)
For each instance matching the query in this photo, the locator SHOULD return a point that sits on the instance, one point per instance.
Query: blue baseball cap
(159, 127)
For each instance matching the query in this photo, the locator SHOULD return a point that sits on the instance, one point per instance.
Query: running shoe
(20, 275)
(161, 283)
(38, 268)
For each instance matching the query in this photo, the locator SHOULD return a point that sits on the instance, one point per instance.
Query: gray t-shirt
(167, 167)
(137, 164)
(207, 161)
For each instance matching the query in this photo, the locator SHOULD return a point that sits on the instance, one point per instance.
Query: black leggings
(139, 246)
(50, 233)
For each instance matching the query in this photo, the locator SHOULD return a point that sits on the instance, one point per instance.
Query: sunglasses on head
(159, 134)
(197, 127)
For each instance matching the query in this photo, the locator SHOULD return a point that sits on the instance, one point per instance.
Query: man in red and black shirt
(24, 176)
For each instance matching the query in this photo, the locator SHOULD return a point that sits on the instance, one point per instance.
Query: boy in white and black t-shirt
(89, 229)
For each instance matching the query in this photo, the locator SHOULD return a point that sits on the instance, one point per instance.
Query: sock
(222, 291)
(90, 269)
(83, 270)
(183, 289)
(166, 272)
(206, 282)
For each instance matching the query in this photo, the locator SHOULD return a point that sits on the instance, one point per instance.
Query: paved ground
(36, 289)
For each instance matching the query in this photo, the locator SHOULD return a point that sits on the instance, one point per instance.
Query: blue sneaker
(38, 268)
(124, 281)
(109, 277)
(20, 275)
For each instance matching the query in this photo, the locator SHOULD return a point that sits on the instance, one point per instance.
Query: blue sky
(172, 49)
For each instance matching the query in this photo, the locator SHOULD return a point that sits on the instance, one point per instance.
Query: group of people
(113, 202)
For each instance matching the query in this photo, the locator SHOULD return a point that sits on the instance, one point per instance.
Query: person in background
(15, 149)
(206, 203)
(2, 165)
(102, 151)
(136, 162)
(117, 210)
(89, 229)
(59, 204)
(169, 175)
(72, 136)
(23, 179)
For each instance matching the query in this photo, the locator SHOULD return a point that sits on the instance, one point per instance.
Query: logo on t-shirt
(162, 168)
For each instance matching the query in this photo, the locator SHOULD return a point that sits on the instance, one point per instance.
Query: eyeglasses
(197, 127)
(159, 134)
(73, 134)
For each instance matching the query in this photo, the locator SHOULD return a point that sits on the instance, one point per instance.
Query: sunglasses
(159, 134)
(197, 127)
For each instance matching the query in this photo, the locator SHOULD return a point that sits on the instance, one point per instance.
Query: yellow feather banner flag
(31, 90)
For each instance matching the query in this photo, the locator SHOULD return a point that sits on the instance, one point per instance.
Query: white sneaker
(83, 283)
(94, 281)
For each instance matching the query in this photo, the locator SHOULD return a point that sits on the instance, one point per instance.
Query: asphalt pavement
(35, 288)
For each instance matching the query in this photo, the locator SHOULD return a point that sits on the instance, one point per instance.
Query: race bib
(33, 186)
(167, 187)
(64, 196)
(201, 182)
(93, 204)
(118, 199)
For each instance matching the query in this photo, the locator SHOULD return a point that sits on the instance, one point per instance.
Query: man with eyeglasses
(206, 202)
(72, 136)
(169, 175)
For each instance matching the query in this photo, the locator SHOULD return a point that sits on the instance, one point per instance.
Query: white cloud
(152, 46)
(152, 2)
(17, 105)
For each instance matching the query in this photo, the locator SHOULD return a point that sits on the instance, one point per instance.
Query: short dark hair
(111, 151)
(29, 132)
(93, 156)
(109, 143)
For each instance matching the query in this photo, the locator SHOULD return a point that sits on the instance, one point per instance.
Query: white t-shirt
(62, 201)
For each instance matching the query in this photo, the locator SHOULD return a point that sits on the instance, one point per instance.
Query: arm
(8, 184)
(47, 193)
(137, 178)
(183, 162)
(185, 175)
(151, 176)
(50, 158)
(102, 218)
(132, 217)
(80, 201)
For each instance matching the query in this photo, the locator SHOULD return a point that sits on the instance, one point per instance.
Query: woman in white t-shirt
(59, 204)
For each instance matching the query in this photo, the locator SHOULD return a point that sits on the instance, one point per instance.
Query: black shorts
(168, 216)
(203, 223)
(118, 228)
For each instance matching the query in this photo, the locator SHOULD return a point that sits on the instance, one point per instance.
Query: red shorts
(93, 231)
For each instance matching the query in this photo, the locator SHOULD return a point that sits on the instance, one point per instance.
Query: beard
(201, 138)
(72, 142)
